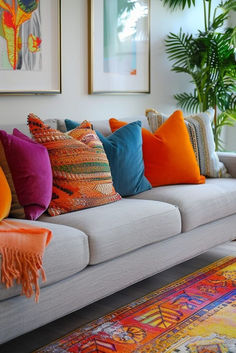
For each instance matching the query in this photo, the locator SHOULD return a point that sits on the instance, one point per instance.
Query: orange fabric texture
(81, 172)
(22, 248)
(168, 154)
(5, 196)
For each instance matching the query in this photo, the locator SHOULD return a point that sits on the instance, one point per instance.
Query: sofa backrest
(100, 125)
(103, 125)
(24, 127)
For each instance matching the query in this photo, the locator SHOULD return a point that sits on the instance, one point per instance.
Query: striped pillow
(202, 139)
(81, 172)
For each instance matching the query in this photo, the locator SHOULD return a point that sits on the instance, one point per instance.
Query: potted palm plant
(209, 59)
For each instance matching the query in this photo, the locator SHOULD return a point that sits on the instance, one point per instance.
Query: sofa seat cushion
(120, 227)
(198, 204)
(66, 254)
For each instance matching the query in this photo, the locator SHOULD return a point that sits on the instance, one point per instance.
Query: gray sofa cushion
(122, 226)
(66, 254)
(229, 160)
(198, 204)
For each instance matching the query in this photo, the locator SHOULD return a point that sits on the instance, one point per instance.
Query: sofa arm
(229, 160)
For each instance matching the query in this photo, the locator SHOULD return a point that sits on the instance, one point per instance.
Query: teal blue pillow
(71, 124)
(125, 155)
(124, 152)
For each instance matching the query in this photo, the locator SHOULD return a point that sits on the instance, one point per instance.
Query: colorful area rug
(196, 314)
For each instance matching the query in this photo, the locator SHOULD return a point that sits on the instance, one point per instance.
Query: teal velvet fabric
(71, 124)
(124, 152)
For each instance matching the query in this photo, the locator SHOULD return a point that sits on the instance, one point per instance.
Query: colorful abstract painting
(196, 314)
(20, 35)
(122, 30)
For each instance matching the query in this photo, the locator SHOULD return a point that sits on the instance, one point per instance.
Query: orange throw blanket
(22, 247)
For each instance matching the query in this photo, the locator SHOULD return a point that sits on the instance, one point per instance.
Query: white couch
(98, 251)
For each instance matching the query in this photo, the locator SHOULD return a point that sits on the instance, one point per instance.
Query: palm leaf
(180, 69)
(188, 101)
(226, 118)
(209, 59)
(226, 99)
(218, 21)
(181, 4)
(233, 37)
(180, 48)
(226, 6)
(219, 50)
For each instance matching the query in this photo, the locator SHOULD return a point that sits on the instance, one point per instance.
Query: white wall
(74, 102)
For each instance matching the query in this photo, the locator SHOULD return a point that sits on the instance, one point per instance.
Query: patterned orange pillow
(81, 172)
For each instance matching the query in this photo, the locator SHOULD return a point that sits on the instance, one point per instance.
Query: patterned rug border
(159, 291)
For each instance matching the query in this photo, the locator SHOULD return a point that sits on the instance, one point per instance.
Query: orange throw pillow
(168, 154)
(5, 196)
(81, 172)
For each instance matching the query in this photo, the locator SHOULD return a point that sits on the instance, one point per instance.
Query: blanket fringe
(24, 268)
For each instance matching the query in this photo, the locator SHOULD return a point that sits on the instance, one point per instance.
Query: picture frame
(30, 55)
(119, 46)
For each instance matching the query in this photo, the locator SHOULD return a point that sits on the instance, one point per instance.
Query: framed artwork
(119, 46)
(30, 46)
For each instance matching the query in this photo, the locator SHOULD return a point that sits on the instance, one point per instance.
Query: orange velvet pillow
(168, 154)
(5, 196)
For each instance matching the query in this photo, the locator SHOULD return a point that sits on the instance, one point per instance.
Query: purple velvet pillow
(27, 167)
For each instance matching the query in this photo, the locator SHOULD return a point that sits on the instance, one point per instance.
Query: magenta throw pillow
(27, 168)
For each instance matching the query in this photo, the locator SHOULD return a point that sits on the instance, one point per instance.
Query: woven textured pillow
(201, 137)
(81, 172)
(27, 168)
(5, 196)
(168, 154)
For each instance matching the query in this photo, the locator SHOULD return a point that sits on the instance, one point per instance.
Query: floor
(48, 333)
